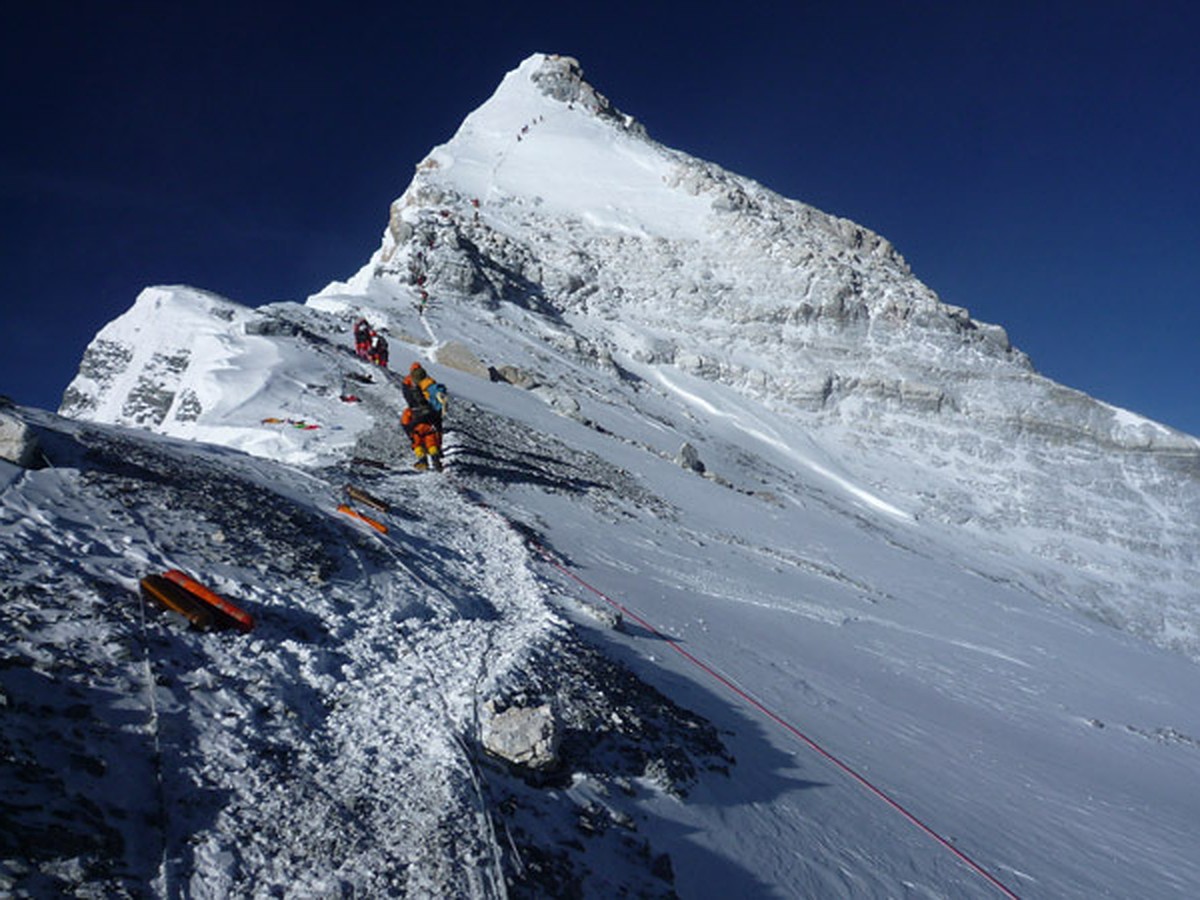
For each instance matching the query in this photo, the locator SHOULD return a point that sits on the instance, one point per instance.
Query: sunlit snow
(969, 585)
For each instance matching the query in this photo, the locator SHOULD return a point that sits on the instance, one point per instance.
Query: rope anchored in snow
(775, 717)
(160, 790)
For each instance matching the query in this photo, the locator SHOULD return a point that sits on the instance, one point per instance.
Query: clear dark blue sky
(1036, 162)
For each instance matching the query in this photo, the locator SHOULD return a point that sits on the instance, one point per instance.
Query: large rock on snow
(689, 458)
(524, 735)
(18, 443)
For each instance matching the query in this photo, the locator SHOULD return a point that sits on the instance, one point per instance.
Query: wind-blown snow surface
(970, 584)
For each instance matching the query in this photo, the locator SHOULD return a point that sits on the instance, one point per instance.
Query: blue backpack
(437, 397)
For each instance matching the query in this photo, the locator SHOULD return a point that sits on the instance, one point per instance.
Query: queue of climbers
(369, 344)
(425, 398)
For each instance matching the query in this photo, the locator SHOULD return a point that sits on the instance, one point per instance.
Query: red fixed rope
(786, 725)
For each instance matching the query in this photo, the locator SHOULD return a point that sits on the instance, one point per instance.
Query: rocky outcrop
(18, 443)
(137, 371)
(689, 458)
(526, 736)
(458, 355)
(561, 77)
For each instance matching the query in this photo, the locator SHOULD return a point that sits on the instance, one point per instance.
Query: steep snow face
(547, 136)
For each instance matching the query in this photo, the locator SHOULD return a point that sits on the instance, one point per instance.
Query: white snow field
(903, 619)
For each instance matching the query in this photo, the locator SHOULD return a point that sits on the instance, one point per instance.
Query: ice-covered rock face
(133, 373)
(561, 78)
(191, 364)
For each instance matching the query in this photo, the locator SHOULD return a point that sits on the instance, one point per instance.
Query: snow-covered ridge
(188, 363)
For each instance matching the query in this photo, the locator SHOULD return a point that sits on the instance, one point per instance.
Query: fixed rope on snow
(160, 789)
(775, 717)
(754, 702)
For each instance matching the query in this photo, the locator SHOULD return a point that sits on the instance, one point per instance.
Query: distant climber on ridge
(422, 419)
(362, 339)
(379, 350)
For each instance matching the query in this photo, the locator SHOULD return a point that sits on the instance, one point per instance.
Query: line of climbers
(369, 345)
(417, 277)
(425, 399)
(525, 128)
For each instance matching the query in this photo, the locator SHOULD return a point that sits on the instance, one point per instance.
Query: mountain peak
(545, 84)
(561, 78)
(547, 141)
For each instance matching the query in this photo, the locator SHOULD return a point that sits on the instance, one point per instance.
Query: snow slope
(268, 763)
(925, 624)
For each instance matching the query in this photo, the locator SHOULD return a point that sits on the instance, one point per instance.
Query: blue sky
(1034, 162)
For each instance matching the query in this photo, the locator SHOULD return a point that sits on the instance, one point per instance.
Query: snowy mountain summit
(827, 352)
(756, 569)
